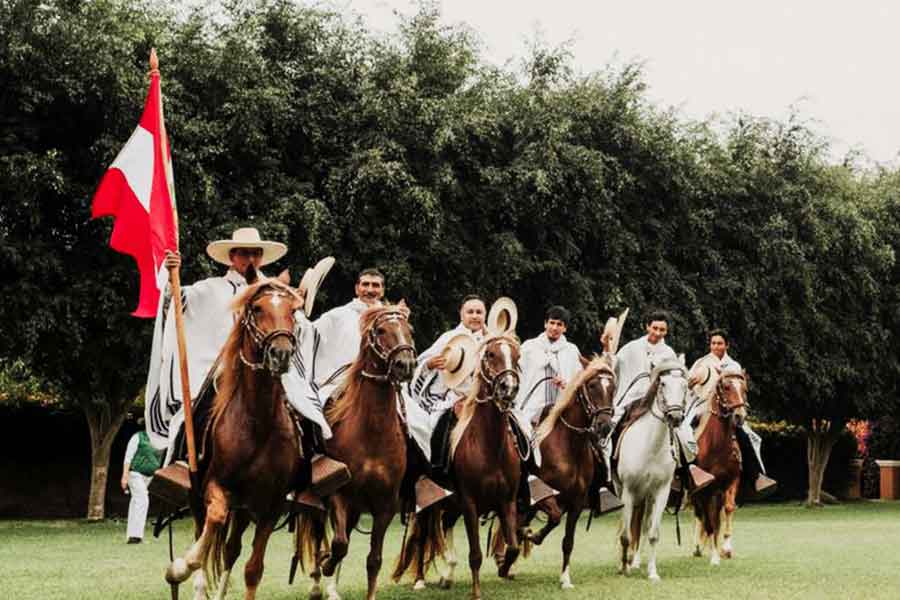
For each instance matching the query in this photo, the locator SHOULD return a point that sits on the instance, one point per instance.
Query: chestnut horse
(486, 469)
(566, 437)
(370, 438)
(252, 454)
(646, 462)
(720, 455)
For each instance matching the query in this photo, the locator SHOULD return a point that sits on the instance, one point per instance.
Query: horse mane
(347, 391)
(227, 386)
(569, 393)
(643, 405)
(470, 401)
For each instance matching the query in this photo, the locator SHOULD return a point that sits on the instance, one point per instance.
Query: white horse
(647, 464)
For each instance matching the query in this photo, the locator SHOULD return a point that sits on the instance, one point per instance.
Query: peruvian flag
(137, 190)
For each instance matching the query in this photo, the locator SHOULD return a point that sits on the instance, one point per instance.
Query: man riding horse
(208, 320)
(703, 378)
(634, 363)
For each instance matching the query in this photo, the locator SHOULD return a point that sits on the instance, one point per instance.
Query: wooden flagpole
(175, 280)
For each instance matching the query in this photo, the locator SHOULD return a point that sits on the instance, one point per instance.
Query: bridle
(387, 355)
(721, 407)
(263, 340)
(666, 409)
(593, 413)
(492, 377)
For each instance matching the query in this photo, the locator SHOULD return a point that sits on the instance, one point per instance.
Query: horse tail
(309, 534)
(214, 559)
(498, 542)
(423, 544)
(526, 542)
(637, 523)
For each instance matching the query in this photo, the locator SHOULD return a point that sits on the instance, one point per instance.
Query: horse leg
(380, 523)
(216, 516)
(637, 526)
(318, 531)
(656, 512)
(714, 514)
(565, 580)
(450, 554)
(554, 516)
(340, 542)
(253, 570)
(240, 522)
(698, 536)
(508, 523)
(470, 516)
(728, 525)
(625, 530)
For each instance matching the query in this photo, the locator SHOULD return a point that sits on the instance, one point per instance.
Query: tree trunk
(103, 427)
(820, 440)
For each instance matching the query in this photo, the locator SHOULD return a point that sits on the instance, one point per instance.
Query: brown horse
(486, 468)
(370, 438)
(252, 454)
(582, 414)
(719, 454)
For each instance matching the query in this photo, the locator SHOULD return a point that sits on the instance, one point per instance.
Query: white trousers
(139, 505)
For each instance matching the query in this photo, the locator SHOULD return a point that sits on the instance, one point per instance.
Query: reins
(387, 356)
(263, 340)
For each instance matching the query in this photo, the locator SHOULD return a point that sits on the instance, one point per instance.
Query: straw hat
(245, 237)
(461, 354)
(502, 317)
(311, 281)
(614, 330)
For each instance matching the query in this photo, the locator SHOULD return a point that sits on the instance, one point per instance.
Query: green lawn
(783, 551)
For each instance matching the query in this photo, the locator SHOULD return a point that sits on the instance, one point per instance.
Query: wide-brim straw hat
(503, 317)
(461, 354)
(614, 328)
(311, 281)
(245, 237)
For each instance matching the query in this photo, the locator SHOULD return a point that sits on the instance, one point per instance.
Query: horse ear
(285, 277)
(584, 362)
(251, 275)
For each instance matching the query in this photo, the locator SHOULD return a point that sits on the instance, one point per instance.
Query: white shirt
(335, 345)
(636, 358)
(542, 359)
(208, 320)
(426, 385)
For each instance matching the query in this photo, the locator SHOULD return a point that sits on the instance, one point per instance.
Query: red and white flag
(137, 190)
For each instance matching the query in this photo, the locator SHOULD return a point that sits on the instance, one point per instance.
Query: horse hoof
(567, 586)
(177, 572)
(714, 561)
(728, 554)
(654, 578)
(315, 593)
(419, 584)
(697, 553)
(445, 583)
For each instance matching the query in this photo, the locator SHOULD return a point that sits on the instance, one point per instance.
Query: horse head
(266, 312)
(731, 397)
(668, 389)
(499, 370)
(597, 392)
(390, 345)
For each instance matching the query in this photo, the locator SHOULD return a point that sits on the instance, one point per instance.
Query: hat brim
(311, 281)
(220, 249)
(503, 317)
(466, 367)
(620, 324)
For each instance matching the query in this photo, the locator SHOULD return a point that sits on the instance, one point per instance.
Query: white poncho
(541, 361)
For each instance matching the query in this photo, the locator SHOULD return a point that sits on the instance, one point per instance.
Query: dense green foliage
(411, 154)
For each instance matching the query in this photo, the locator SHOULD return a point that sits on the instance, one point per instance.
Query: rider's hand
(559, 382)
(172, 260)
(436, 362)
(124, 481)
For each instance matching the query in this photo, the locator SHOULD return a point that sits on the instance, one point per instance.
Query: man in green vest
(141, 461)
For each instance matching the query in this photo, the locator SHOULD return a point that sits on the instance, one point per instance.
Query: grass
(782, 551)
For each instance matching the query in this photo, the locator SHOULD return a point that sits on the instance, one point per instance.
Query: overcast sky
(836, 62)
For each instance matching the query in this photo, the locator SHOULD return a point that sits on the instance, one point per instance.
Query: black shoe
(134, 540)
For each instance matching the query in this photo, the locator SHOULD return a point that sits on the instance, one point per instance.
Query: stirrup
(698, 478)
(538, 490)
(428, 493)
(764, 486)
(608, 502)
(328, 475)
